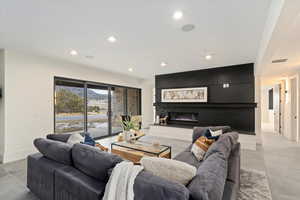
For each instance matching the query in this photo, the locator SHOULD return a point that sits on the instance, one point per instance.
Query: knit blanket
(121, 181)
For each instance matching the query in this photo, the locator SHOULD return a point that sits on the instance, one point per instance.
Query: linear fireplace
(182, 118)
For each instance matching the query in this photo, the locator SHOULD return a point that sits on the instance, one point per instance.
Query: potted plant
(128, 128)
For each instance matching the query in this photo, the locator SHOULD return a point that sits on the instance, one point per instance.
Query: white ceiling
(145, 30)
(284, 43)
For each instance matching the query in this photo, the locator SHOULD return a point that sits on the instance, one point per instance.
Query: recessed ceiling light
(130, 69)
(177, 15)
(112, 39)
(208, 57)
(163, 64)
(73, 53)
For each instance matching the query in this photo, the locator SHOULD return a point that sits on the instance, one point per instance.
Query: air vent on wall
(280, 60)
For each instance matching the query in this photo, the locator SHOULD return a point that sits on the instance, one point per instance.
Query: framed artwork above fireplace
(198, 94)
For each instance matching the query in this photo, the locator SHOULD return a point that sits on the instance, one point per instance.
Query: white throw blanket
(120, 184)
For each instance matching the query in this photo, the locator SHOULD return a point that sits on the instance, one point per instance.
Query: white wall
(147, 103)
(267, 114)
(258, 109)
(29, 109)
(2, 62)
(265, 106)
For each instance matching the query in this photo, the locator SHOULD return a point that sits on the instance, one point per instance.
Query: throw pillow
(172, 170)
(88, 140)
(75, 138)
(213, 134)
(200, 147)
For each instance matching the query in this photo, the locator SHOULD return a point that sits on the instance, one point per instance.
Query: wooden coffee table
(135, 151)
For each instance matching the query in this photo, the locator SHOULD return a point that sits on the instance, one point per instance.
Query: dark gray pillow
(59, 137)
(54, 150)
(223, 145)
(210, 180)
(93, 162)
(200, 131)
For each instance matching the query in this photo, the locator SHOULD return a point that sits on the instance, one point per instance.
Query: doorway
(277, 109)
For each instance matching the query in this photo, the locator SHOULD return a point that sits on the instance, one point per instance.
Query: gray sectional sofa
(80, 172)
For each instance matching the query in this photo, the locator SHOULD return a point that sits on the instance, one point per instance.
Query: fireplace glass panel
(181, 116)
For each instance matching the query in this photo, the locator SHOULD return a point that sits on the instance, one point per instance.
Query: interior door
(282, 105)
(98, 110)
(294, 109)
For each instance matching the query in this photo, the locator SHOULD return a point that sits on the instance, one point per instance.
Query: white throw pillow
(216, 133)
(172, 170)
(75, 138)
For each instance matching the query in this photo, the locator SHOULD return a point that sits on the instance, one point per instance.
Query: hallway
(282, 165)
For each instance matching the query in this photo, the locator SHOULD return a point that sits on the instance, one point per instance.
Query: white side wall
(258, 109)
(267, 116)
(29, 97)
(2, 62)
(147, 103)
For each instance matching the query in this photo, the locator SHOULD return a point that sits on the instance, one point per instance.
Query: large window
(69, 107)
(82, 106)
(133, 101)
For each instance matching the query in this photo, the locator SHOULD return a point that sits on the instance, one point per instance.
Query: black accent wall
(232, 106)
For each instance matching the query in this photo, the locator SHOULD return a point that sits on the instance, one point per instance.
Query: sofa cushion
(150, 187)
(209, 182)
(200, 147)
(172, 170)
(200, 131)
(72, 184)
(188, 157)
(59, 137)
(54, 150)
(223, 145)
(93, 162)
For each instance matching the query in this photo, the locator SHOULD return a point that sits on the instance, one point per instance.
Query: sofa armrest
(40, 175)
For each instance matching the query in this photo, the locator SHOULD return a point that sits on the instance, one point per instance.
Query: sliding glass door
(97, 110)
(83, 106)
(118, 108)
(69, 107)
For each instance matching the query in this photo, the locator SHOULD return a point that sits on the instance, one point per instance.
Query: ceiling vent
(188, 27)
(280, 60)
